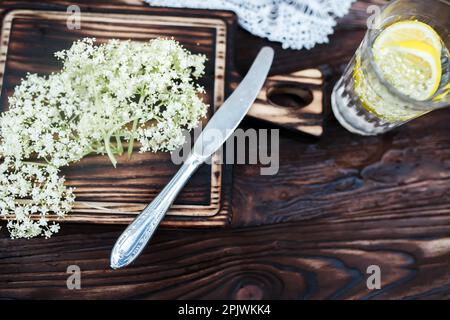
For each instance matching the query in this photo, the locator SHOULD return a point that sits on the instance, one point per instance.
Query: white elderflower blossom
(30, 190)
(104, 95)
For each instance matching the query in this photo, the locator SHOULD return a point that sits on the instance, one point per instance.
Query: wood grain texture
(338, 204)
(104, 194)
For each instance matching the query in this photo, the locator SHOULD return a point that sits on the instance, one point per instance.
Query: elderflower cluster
(106, 95)
(45, 193)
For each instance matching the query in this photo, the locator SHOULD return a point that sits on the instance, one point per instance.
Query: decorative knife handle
(135, 237)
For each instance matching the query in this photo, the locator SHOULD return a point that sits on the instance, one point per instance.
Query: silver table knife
(221, 126)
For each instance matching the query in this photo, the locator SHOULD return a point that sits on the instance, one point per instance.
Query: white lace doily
(296, 24)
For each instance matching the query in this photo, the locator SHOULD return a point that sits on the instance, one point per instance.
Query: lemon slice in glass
(412, 67)
(411, 30)
(408, 54)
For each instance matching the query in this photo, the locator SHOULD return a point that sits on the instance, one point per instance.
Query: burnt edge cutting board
(105, 194)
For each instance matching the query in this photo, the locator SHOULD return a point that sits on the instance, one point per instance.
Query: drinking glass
(363, 101)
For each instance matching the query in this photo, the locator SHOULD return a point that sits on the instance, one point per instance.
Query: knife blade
(222, 125)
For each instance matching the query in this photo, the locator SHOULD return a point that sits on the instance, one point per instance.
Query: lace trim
(297, 24)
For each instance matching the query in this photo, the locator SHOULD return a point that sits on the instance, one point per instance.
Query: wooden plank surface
(338, 204)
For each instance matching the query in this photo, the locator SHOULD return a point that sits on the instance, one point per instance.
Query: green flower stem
(107, 143)
(40, 164)
(109, 151)
(119, 145)
(134, 127)
(92, 149)
(131, 140)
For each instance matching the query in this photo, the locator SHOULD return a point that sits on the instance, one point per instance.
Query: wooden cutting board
(104, 194)
(114, 196)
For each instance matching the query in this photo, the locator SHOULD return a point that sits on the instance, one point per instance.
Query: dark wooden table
(338, 204)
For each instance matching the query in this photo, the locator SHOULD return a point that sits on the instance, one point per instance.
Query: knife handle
(135, 237)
